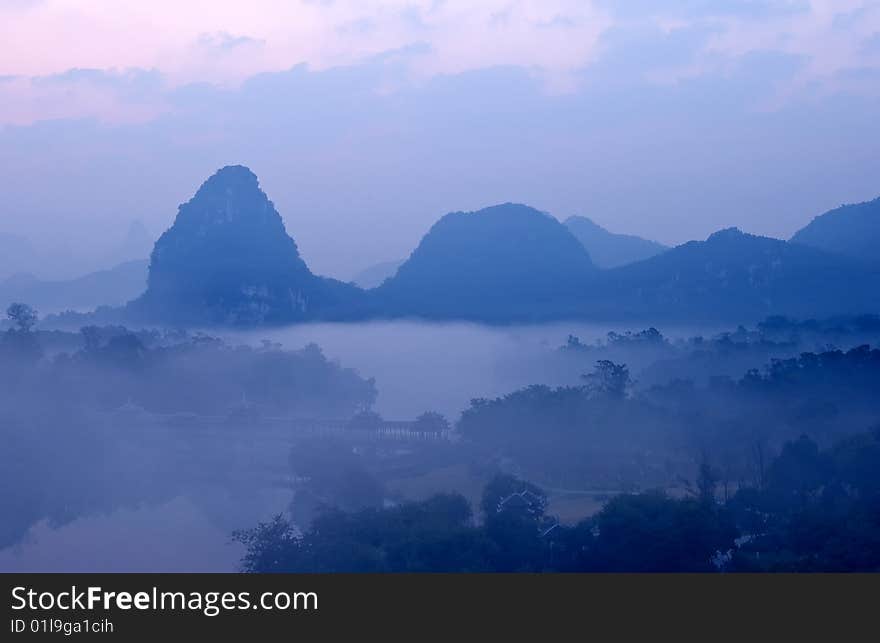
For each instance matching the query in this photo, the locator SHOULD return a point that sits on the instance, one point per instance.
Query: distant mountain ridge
(608, 249)
(851, 230)
(737, 276)
(373, 276)
(228, 260)
(112, 287)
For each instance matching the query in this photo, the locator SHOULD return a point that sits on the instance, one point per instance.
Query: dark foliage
(603, 435)
(818, 512)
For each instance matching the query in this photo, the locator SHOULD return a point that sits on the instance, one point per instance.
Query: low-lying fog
(421, 366)
(187, 524)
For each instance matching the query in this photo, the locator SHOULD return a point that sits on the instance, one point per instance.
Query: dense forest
(815, 510)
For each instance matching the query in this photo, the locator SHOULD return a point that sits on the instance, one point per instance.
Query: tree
(798, 474)
(651, 532)
(22, 316)
(270, 546)
(91, 338)
(431, 423)
(503, 486)
(758, 455)
(819, 512)
(330, 474)
(608, 379)
(436, 535)
(707, 481)
(856, 461)
(19, 343)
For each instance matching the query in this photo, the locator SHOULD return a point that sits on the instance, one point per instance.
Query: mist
(421, 366)
(155, 471)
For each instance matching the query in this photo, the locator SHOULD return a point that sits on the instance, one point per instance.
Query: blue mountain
(501, 263)
(228, 259)
(850, 230)
(608, 249)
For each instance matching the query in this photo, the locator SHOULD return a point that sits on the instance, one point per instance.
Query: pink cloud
(111, 96)
(60, 34)
(226, 41)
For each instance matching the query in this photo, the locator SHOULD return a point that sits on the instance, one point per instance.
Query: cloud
(463, 35)
(114, 96)
(700, 9)
(825, 36)
(20, 5)
(554, 39)
(225, 41)
(127, 81)
(871, 44)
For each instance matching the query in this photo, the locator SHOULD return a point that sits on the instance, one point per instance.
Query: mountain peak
(610, 250)
(494, 263)
(230, 180)
(509, 208)
(727, 233)
(232, 174)
(230, 198)
(586, 222)
(228, 258)
(851, 230)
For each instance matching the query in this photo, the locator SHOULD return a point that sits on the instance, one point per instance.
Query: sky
(368, 120)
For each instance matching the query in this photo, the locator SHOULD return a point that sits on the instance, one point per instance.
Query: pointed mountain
(610, 250)
(850, 230)
(137, 243)
(737, 276)
(228, 260)
(505, 262)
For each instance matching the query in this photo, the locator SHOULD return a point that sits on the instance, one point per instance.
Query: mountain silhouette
(504, 262)
(376, 274)
(136, 244)
(610, 250)
(851, 230)
(228, 259)
(112, 287)
(737, 276)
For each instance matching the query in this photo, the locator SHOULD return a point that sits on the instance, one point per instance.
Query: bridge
(254, 425)
(239, 449)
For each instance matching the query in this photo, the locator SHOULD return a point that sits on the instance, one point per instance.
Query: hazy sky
(367, 120)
